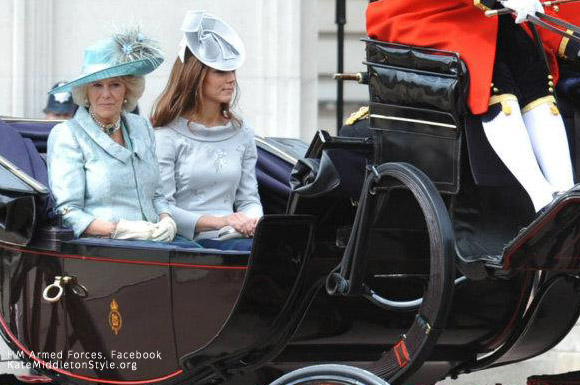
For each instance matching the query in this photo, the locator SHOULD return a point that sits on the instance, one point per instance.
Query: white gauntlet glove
(165, 230)
(523, 8)
(141, 230)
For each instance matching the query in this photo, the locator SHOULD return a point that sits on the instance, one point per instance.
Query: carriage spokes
(330, 375)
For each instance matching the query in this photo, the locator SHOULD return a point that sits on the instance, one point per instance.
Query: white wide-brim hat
(211, 41)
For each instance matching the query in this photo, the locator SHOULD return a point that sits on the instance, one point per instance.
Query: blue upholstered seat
(37, 132)
(22, 153)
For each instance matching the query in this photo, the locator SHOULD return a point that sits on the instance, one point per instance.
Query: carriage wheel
(431, 311)
(329, 375)
(416, 344)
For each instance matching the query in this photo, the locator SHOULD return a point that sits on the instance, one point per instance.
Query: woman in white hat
(207, 154)
(101, 164)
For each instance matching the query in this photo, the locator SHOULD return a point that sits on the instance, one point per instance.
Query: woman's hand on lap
(140, 230)
(242, 223)
(165, 229)
(100, 228)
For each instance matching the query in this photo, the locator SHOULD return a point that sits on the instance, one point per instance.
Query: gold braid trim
(503, 99)
(545, 100)
(361, 114)
(564, 44)
(480, 5)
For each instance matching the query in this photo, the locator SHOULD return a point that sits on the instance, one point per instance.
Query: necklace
(108, 129)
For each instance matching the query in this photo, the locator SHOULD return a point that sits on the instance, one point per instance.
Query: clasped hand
(241, 223)
(523, 8)
(162, 231)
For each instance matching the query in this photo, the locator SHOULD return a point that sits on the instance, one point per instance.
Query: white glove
(165, 230)
(133, 230)
(523, 8)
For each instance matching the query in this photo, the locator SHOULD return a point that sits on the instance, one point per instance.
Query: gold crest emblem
(115, 319)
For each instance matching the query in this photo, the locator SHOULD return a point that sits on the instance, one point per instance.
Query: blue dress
(207, 171)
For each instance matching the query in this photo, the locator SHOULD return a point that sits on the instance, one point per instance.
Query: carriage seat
(37, 132)
(21, 142)
(24, 202)
(22, 152)
(418, 115)
(276, 158)
(272, 171)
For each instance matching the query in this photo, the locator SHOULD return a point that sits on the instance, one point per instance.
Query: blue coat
(92, 177)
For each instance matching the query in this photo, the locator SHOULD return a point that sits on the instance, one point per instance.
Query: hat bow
(209, 39)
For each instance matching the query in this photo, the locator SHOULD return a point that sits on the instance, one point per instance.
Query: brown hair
(182, 94)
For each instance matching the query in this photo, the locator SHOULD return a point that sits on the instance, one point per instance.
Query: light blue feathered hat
(129, 52)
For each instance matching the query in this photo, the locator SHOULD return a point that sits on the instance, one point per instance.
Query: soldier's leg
(506, 132)
(539, 111)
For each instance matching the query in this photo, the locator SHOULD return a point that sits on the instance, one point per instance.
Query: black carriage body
(194, 311)
(235, 318)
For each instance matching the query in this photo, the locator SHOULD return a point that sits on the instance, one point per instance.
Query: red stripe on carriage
(101, 259)
(400, 349)
(90, 379)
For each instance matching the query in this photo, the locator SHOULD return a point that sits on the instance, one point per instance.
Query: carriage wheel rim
(416, 343)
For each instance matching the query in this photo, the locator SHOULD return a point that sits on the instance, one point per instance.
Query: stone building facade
(42, 42)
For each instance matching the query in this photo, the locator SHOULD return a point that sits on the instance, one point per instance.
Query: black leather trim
(314, 177)
(427, 59)
(432, 148)
(418, 108)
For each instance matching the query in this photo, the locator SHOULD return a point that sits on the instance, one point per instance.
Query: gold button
(506, 109)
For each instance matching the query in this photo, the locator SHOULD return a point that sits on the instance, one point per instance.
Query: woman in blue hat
(101, 164)
(207, 154)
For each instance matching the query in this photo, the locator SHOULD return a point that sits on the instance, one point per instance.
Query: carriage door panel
(122, 327)
(34, 325)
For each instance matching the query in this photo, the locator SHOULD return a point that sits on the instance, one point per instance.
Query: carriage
(404, 257)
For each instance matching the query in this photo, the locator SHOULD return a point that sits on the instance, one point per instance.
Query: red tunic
(452, 25)
(569, 12)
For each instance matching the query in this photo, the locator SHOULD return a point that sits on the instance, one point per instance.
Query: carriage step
(551, 241)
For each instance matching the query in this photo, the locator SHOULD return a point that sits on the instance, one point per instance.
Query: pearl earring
(125, 101)
(86, 101)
